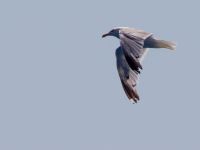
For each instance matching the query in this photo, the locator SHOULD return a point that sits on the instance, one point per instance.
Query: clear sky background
(60, 90)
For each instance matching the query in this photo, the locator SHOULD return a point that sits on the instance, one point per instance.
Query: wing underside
(132, 42)
(127, 76)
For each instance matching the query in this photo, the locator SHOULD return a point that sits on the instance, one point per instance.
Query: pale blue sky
(59, 85)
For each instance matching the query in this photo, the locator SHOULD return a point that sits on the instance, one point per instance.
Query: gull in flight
(133, 47)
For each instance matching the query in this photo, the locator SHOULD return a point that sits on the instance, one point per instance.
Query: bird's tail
(165, 44)
(151, 42)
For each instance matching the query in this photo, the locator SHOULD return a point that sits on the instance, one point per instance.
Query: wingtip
(135, 98)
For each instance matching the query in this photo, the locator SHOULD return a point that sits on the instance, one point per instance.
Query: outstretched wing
(127, 76)
(132, 42)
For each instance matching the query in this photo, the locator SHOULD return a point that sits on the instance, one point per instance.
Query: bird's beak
(104, 35)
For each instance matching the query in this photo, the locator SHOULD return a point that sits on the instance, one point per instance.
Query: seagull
(133, 47)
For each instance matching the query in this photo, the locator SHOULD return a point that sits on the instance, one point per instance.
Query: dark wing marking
(132, 42)
(131, 52)
(127, 76)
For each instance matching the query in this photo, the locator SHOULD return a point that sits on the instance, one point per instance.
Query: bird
(134, 45)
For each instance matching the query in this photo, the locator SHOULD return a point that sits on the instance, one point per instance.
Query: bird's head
(114, 32)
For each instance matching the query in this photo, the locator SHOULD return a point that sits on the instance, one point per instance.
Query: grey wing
(132, 42)
(127, 76)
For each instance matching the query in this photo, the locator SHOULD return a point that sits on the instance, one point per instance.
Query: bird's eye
(112, 31)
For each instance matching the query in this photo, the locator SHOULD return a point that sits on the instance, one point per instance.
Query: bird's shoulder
(132, 32)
